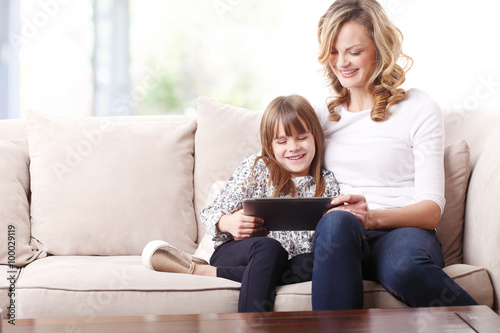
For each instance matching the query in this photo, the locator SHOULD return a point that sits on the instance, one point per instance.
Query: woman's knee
(339, 223)
(338, 233)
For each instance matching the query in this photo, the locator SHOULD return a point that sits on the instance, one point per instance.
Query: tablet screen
(288, 213)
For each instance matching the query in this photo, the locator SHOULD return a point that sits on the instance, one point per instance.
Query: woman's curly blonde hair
(387, 75)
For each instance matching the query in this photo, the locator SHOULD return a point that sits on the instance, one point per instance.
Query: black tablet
(288, 213)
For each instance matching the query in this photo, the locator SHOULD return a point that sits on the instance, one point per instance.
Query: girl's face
(294, 153)
(353, 56)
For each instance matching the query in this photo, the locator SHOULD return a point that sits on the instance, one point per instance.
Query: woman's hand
(424, 214)
(357, 205)
(242, 226)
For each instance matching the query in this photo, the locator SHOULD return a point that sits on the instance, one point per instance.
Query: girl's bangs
(291, 122)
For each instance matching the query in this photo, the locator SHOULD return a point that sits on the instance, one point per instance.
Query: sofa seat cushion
(297, 297)
(9, 275)
(87, 286)
(90, 286)
(475, 280)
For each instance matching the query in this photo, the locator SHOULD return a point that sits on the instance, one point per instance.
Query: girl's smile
(295, 153)
(296, 158)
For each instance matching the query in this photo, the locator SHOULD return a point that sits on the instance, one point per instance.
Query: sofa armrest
(481, 129)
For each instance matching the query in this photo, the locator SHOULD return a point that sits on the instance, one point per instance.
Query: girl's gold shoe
(160, 256)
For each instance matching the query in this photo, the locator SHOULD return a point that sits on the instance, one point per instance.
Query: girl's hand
(355, 204)
(242, 226)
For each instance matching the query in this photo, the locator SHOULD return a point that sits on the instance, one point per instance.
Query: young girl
(290, 166)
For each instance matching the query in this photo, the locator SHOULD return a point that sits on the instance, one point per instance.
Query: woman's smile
(348, 73)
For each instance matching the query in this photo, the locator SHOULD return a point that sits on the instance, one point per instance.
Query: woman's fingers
(348, 199)
(355, 204)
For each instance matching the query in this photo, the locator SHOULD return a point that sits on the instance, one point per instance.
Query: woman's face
(353, 56)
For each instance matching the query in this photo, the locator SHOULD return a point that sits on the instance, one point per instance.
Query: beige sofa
(82, 196)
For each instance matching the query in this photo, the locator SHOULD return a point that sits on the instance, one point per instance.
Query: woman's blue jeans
(406, 261)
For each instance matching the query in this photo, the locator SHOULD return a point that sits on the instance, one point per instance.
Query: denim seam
(395, 294)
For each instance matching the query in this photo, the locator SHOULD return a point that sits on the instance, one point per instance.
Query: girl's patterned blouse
(242, 185)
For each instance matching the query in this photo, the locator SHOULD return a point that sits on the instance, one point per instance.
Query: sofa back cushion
(12, 129)
(224, 136)
(457, 169)
(107, 186)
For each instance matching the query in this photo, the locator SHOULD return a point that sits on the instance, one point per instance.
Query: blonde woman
(385, 146)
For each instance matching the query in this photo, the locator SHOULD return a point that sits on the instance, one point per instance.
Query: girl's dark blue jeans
(256, 262)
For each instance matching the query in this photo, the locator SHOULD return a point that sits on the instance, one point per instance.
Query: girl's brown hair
(387, 75)
(294, 112)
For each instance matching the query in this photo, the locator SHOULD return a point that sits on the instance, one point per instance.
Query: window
(8, 60)
(55, 56)
(118, 57)
(242, 53)
(125, 57)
